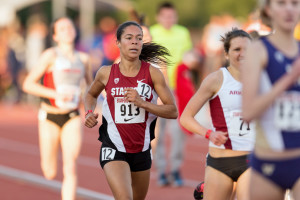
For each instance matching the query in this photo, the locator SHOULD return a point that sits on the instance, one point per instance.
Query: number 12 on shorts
(107, 153)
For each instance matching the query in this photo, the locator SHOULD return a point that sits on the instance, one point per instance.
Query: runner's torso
(65, 76)
(226, 115)
(126, 126)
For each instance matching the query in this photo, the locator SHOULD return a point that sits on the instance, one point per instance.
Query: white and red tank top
(65, 77)
(128, 127)
(225, 108)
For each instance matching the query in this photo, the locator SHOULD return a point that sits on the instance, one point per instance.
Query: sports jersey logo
(140, 81)
(126, 120)
(279, 57)
(288, 68)
(119, 91)
(235, 92)
(242, 134)
(268, 169)
(116, 80)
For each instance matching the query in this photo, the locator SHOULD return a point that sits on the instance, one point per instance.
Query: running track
(21, 177)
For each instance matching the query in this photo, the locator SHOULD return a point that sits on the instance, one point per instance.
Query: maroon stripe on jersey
(48, 82)
(132, 144)
(218, 118)
(132, 135)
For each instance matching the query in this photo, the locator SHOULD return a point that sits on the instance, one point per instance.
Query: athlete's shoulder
(84, 57)
(48, 55)
(50, 52)
(154, 70)
(105, 69)
(213, 81)
(258, 46)
(215, 76)
(103, 74)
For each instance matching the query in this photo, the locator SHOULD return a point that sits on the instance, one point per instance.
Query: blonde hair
(262, 4)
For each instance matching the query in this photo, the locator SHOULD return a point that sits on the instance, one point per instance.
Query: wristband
(87, 112)
(208, 132)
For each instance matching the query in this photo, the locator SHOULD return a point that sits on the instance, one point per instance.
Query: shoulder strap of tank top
(269, 46)
(58, 52)
(223, 69)
(77, 56)
(114, 69)
(144, 63)
(225, 74)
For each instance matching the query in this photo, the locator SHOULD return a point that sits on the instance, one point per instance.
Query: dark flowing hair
(151, 52)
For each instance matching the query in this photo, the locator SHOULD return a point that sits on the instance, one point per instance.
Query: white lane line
(21, 147)
(30, 149)
(56, 185)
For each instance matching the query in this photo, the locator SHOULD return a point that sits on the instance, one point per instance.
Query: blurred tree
(196, 13)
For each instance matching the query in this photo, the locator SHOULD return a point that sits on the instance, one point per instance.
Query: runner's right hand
(218, 137)
(91, 120)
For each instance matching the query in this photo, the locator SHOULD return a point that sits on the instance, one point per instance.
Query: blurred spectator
(177, 39)
(185, 85)
(104, 49)
(141, 20)
(35, 40)
(297, 31)
(255, 27)
(5, 74)
(11, 59)
(38, 39)
(211, 44)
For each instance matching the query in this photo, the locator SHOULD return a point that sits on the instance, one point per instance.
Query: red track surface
(19, 151)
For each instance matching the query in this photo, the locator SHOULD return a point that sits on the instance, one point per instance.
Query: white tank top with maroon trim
(226, 109)
(65, 78)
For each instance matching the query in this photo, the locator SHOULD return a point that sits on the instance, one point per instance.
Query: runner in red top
(185, 87)
(129, 111)
(62, 69)
(122, 118)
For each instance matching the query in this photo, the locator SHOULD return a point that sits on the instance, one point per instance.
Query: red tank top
(128, 126)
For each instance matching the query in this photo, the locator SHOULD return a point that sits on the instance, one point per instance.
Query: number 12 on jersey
(107, 153)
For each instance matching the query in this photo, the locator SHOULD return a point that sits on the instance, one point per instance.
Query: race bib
(107, 153)
(144, 89)
(287, 112)
(73, 91)
(128, 113)
(237, 126)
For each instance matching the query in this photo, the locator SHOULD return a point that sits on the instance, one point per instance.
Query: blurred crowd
(22, 44)
(200, 54)
(194, 54)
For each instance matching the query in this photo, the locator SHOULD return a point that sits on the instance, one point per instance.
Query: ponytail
(155, 53)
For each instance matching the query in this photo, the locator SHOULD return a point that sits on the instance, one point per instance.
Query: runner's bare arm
(168, 108)
(96, 88)
(88, 75)
(209, 87)
(31, 83)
